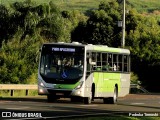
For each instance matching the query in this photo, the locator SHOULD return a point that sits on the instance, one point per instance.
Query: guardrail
(13, 87)
(138, 89)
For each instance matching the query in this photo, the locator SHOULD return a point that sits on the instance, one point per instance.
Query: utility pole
(123, 25)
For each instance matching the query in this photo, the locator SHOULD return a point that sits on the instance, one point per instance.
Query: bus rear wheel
(112, 100)
(115, 96)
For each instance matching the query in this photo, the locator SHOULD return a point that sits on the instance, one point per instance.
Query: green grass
(83, 5)
(145, 5)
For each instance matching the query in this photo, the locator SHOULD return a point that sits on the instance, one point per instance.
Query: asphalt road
(38, 107)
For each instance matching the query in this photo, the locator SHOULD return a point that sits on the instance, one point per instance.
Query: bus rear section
(108, 73)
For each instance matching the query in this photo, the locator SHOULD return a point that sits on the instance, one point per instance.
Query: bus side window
(115, 60)
(110, 62)
(94, 59)
(120, 63)
(99, 64)
(126, 63)
(89, 66)
(94, 56)
(104, 62)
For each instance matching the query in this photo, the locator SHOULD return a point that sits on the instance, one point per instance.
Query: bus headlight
(41, 84)
(80, 85)
(41, 91)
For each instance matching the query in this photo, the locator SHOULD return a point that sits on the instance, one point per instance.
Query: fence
(13, 87)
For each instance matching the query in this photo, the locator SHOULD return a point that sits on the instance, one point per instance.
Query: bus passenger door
(89, 76)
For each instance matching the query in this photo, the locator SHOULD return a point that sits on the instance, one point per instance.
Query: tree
(72, 19)
(19, 59)
(131, 21)
(144, 44)
(18, 55)
(43, 20)
(101, 27)
(7, 26)
(34, 25)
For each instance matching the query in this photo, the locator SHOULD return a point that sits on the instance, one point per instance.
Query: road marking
(88, 105)
(5, 101)
(18, 108)
(137, 103)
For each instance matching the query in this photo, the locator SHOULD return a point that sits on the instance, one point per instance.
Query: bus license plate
(59, 94)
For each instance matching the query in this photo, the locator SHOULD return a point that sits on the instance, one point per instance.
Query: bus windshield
(61, 64)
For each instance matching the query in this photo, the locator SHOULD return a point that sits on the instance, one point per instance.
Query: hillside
(83, 5)
(145, 5)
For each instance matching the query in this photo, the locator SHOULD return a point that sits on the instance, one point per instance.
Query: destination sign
(63, 49)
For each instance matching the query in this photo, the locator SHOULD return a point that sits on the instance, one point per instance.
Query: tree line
(25, 26)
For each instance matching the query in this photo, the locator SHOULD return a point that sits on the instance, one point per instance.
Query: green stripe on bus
(66, 86)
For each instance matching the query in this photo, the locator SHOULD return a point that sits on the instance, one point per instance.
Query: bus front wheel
(87, 100)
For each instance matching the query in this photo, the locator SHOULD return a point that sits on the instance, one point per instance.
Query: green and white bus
(75, 70)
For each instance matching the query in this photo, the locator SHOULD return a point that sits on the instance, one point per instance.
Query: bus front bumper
(58, 92)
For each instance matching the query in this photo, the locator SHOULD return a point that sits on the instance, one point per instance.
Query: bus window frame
(117, 62)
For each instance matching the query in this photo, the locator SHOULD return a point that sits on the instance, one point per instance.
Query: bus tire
(87, 100)
(76, 99)
(106, 100)
(113, 100)
(93, 91)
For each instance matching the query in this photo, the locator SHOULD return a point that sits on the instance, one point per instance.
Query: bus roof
(92, 47)
(107, 49)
